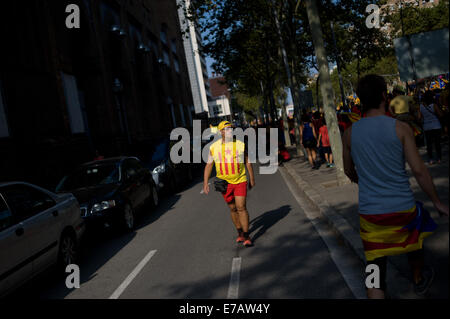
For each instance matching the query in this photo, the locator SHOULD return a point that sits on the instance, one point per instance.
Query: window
(109, 16)
(172, 111)
(87, 176)
(153, 45)
(5, 215)
(135, 34)
(163, 35)
(189, 111)
(73, 103)
(174, 46)
(183, 121)
(4, 132)
(176, 65)
(166, 57)
(217, 109)
(25, 201)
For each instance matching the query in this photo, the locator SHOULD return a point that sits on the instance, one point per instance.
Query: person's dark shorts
(381, 262)
(327, 149)
(310, 143)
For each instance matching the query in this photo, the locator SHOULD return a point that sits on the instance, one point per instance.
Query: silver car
(37, 229)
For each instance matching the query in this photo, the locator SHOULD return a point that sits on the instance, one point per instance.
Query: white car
(37, 229)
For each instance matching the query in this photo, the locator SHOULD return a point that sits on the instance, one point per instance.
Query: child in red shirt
(323, 135)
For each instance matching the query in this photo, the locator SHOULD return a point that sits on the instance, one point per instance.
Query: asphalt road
(186, 249)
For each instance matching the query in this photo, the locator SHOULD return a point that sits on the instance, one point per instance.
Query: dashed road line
(233, 288)
(132, 275)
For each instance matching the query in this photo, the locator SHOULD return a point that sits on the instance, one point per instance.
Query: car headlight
(160, 169)
(102, 206)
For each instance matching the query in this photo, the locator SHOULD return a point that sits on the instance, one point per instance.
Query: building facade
(220, 104)
(115, 85)
(196, 63)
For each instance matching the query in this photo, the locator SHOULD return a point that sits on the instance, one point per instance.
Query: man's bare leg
(234, 215)
(241, 208)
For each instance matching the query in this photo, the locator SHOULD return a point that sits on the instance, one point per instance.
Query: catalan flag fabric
(229, 161)
(395, 233)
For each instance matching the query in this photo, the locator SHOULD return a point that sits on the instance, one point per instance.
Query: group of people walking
(375, 151)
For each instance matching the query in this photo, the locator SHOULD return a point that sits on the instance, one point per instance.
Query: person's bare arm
(349, 166)
(207, 174)
(418, 167)
(314, 132)
(318, 139)
(251, 174)
(300, 128)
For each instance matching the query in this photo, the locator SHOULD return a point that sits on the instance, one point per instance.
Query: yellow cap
(400, 104)
(223, 124)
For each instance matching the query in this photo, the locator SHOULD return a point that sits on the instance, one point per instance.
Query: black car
(111, 191)
(169, 176)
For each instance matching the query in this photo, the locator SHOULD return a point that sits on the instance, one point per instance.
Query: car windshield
(86, 176)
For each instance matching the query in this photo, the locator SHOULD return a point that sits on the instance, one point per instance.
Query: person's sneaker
(328, 164)
(424, 284)
(248, 242)
(240, 239)
(331, 165)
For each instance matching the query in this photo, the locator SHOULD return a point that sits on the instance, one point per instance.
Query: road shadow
(263, 222)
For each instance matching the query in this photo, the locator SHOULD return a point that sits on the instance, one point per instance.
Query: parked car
(38, 229)
(111, 191)
(168, 175)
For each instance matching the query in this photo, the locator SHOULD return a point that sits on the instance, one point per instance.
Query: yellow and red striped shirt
(229, 159)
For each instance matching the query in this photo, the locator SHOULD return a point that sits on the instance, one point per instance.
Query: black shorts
(310, 143)
(381, 262)
(327, 149)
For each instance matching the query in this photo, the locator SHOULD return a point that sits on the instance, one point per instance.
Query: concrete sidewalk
(339, 205)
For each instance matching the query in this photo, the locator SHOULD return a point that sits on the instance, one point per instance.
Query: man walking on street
(231, 159)
(391, 221)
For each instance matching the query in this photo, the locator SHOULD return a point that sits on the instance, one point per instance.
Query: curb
(351, 238)
(338, 223)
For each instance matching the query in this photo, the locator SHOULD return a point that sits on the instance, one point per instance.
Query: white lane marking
(233, 288)
(347, 266)
(131, 276)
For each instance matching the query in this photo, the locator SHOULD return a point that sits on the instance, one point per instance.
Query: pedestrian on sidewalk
(430, 113)
(231, 160)
(391, 221)
(308, 138)
(317, 121)
(325, 139)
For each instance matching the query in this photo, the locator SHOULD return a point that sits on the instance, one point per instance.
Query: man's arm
(249, 167)
(418, 167)
(349, 166)
(207, 173)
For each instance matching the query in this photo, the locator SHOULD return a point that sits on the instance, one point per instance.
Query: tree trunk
(273, 107)
(326, 90)
(287, 137)
(292, 85)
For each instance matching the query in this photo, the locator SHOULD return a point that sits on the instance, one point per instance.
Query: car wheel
(68, 251)
(128, 218)
(155, 197)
